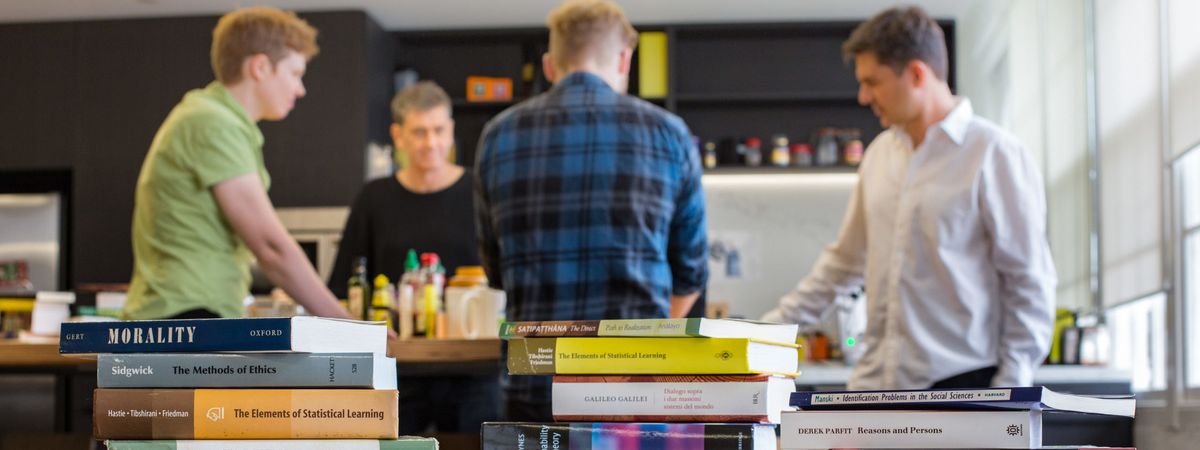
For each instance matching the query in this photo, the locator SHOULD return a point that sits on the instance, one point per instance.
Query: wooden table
(16, 355)
(434, 357)
(444, 350)
(20, 354)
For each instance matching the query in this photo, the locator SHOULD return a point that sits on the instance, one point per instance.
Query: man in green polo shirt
(202, 211)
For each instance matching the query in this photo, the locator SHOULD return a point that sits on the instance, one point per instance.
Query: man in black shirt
(426, 206)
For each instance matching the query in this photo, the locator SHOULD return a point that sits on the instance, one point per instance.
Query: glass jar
(779, 152)
(710, 155)
(801, 155)
(753, 152)
(827, 147)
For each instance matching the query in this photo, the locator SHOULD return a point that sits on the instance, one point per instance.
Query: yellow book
(652, 64)
(245, 414)
(649, 356)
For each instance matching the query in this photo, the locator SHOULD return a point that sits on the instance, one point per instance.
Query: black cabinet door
(124, 77)
(39, 103)
(316, 155)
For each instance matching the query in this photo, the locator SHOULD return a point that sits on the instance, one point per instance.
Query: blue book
(245, 370)
(260, 334)
(1013, 398)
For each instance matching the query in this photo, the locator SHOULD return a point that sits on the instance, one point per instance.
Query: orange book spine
(245, 414)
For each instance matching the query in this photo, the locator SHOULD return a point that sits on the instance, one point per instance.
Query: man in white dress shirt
(946, 225)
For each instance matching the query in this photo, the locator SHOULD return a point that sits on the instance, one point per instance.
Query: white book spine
(910, 429)
(664, 399)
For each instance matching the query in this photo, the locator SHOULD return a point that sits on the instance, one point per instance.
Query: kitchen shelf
(755, 98)
(461, 103)
(724, 80)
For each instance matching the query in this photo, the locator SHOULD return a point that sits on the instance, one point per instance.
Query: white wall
(780, 223)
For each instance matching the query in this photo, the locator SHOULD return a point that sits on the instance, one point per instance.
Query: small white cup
(50, 310)
(483, 309)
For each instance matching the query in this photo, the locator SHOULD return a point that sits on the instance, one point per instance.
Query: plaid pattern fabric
(589, 206)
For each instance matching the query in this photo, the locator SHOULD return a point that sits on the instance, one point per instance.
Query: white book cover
(911, 429)
(668, 398)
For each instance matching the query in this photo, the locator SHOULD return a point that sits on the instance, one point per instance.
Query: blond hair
(250, 31)
(421, 96)
(587, 29)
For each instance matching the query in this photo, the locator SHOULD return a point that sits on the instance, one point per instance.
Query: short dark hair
(420, 96)
(900, 35)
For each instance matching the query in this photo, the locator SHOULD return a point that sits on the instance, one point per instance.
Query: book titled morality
(588, 436)
(925, 429)
(404, 443)
(243, 370)
(257, 334)
(1034, 397)
(649, 356)
(670, 398)
(694, 327)
(244, 414)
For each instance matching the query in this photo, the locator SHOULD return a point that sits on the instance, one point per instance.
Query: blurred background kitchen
(1104, 93)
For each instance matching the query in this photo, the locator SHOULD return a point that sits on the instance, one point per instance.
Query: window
(1187, 171)
(1139, 341)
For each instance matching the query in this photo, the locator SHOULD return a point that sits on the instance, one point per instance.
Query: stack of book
(250, 383)
(983, 418)
(654, 383)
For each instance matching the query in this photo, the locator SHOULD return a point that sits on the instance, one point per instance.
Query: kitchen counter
(14, 353)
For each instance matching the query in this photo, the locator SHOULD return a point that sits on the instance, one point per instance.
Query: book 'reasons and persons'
(245, 414)
(257, 334)
(588, 436)
(216, 370)
(1035, 397)
(1044, 447)
(911, 429)
(651, 356)
(694, 327)
(670, 398)
(403, 443)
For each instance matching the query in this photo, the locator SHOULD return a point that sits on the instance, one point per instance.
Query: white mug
(477, 314)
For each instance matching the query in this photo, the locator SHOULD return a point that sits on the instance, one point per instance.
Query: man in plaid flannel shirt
(588, 201)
